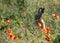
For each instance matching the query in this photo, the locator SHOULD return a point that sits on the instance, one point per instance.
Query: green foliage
(14, 10)
(57, 39)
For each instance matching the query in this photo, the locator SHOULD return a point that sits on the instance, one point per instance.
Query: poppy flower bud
(25, 13)
(47, 38)
(0, 26)
(8, 21)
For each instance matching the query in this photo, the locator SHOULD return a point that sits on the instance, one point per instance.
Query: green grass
(14, 9)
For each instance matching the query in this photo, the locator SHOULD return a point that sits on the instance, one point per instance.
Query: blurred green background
(14, 10)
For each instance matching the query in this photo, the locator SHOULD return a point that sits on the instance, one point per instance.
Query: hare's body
(38, 17)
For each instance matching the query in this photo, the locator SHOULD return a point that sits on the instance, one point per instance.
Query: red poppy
(15, 37)
(39, 25)
(55, 16)
(8, 22)
(25, 13)
(9, 31)
(10, 35)
(47, 38)
(47, 29)
(0, 26)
